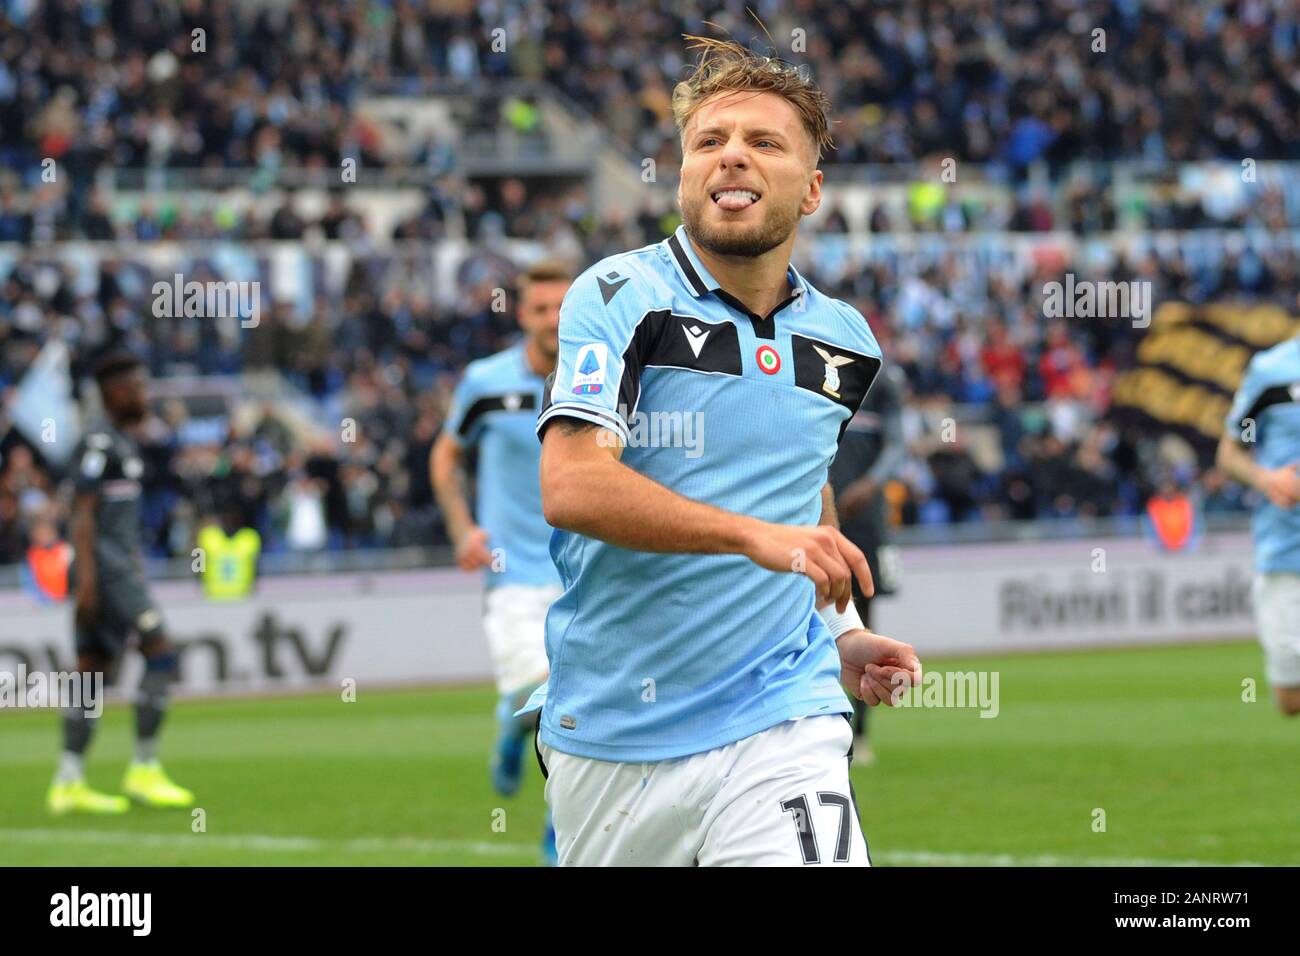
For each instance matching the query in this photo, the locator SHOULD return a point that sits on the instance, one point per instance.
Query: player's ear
(812, 199)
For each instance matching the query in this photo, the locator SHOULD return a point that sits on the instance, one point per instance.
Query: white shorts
(779, 798)
(1277, 609)
(514, 621)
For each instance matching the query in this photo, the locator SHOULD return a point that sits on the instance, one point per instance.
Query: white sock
(146, 751)
(72, 767)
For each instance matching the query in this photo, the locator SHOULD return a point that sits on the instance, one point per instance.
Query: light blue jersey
(1265, 416)
(495, 409)
(655, 656)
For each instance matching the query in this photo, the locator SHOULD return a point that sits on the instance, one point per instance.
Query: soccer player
(112, 601)
(870, 454)
(695, 710)
(1265, 419)
(494, 411)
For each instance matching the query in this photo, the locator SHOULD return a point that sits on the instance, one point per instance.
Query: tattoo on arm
(574, 426)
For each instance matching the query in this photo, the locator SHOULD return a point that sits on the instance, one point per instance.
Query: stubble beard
(776, 227)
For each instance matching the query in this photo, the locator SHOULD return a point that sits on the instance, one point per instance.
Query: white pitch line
(927, 858)
(259, 842)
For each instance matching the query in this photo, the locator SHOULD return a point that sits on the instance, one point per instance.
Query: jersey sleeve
(1246, 402)
(598, 375)
(863, 341)
(90, 463)
(463, 423)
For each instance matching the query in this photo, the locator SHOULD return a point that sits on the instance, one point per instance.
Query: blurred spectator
(305, 525)
(45, 574)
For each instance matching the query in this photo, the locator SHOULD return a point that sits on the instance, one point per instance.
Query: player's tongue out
(735, 199)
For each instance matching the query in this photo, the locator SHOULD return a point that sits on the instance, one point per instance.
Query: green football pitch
(1156, 744)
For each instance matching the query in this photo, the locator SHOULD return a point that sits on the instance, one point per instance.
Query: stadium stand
(471, 161)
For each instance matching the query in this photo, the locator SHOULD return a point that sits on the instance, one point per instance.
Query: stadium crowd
(259, 88)
(384, 353)
(1005, 81)
(271, 87)
(538, 209)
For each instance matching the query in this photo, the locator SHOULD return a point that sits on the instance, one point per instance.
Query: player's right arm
(1280, 485)
(92, 461)
(83, 539)
(586, 488)
(447, 473)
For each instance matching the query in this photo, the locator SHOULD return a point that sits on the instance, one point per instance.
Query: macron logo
(609, 289)
(695, 336)
(132, 910)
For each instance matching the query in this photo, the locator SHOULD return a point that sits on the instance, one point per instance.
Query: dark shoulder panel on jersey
(506, 401)
(664, 339)
(838, 373)
(683, 341)
(1275, 395)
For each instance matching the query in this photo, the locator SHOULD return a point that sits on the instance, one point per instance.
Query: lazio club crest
(831, 385)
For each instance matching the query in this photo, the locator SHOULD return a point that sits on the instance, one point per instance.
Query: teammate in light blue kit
(494, 410)
(694, 712)
(1265, 417)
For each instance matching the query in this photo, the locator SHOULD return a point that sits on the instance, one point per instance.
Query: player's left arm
(1241, 428)
(873, 667)
(83, 541)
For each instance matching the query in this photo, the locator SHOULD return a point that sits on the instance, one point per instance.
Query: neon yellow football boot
(146, 783)
(76, 797)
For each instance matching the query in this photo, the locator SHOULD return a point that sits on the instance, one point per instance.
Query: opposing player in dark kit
(112, 601)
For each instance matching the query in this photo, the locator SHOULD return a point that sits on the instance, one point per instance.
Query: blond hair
(546, 270)
(726, 66)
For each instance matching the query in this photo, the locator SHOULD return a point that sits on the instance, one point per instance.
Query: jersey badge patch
(589, 377)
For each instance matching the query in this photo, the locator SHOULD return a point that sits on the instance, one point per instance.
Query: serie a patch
(589, 369)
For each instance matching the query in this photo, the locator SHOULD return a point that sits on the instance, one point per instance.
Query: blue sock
(524, 724)
(550, 854)
(510, 725)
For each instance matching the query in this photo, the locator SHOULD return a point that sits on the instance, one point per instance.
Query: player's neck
(760, 282)
(537, 359)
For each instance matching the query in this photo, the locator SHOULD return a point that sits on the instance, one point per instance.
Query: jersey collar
(701, 282)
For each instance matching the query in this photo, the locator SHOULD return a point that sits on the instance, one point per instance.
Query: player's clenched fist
(875, 668)
(1281, 486)
(818, 551)
(472, 550)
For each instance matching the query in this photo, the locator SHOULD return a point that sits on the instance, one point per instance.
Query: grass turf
(1159, 739)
